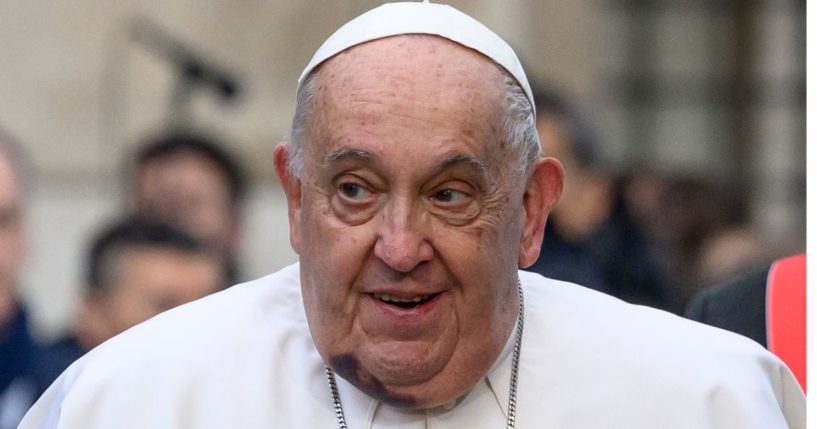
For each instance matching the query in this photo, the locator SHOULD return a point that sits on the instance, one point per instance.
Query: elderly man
(416, 189)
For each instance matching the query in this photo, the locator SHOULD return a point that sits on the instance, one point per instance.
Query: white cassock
(244, 358)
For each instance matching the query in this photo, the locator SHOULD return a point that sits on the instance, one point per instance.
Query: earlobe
(541, 193)
(292, 189)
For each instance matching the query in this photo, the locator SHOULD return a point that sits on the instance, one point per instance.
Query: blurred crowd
(645, 236)
(175, 241)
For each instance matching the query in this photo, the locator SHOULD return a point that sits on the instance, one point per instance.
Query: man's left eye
(450, 196)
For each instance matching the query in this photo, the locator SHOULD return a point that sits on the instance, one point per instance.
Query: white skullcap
(393, 19)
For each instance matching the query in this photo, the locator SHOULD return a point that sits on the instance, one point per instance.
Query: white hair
(519, 124)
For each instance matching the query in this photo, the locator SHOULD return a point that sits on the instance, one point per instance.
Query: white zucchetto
(392, 19)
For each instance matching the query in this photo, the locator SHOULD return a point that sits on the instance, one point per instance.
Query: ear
(292, 189)
(542, 190)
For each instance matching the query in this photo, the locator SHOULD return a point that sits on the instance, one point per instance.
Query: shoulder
(221, 349)
(626, 355)
(581, 320)
(218, 321)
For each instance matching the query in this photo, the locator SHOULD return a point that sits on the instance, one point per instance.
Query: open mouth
(404, 302)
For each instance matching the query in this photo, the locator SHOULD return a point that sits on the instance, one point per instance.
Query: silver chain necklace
(517, 347)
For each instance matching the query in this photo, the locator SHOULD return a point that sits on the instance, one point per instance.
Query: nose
(402, 241)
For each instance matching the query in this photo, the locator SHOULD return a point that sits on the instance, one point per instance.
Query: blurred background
(698, 107)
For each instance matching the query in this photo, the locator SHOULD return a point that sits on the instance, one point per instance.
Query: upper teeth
(391, 298)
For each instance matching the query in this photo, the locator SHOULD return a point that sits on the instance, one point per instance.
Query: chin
(400, 382)
(403, 365)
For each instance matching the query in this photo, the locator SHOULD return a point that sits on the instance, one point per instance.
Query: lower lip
(417, 312)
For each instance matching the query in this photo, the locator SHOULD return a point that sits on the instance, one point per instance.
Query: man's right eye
(353, 191)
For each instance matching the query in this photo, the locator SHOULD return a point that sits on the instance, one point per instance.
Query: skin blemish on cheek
(347, 366)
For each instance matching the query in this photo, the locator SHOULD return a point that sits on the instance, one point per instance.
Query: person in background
(136, 268)
(737, 305)
(193, 182)
(591, 238)
(18, 350)
(767, 305)
(703, 228)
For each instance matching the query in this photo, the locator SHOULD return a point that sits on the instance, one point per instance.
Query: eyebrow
(343, 154)
(467, 160)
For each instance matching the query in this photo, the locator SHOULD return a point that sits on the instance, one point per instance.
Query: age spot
(347, 366)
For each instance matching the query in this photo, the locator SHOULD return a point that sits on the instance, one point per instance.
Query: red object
(786, 313)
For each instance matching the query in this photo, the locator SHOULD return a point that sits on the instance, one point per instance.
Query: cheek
(493, 239)
(333, 256)
(482, 257)
(336, 255)
(331, 262)
(125, 310)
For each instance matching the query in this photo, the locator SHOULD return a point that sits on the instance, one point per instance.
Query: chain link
(333, 387)
(517, 349)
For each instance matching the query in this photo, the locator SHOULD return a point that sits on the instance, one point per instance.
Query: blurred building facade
(714, 88)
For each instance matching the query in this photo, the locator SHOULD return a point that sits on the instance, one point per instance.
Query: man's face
(191, 192)
(146, 281)
(408, 219)
(11, 234)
